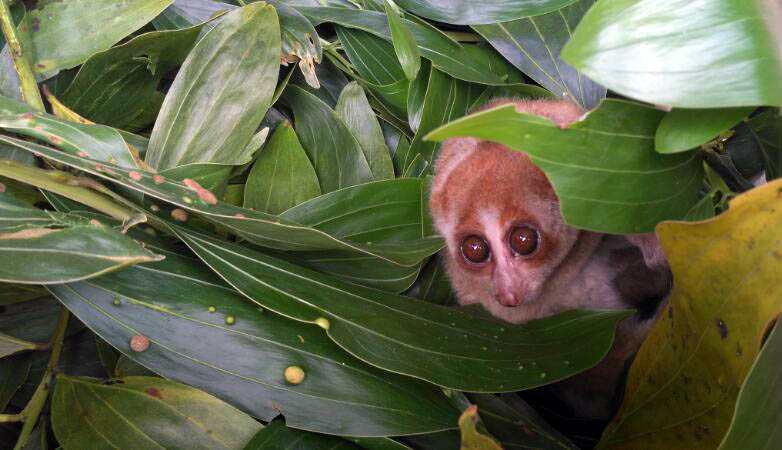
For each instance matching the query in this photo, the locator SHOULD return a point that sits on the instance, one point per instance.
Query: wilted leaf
(756, 422)
(533, 45)
(444, 346)
(144, 413)
(114, 87)
(100, 25)
(472, 439)
(468, 12)
(219, 342)
(704, 54)
(604, 168)
(282, 176)
(684, 129)
(209, 115)
(353, 108)
(682, 387)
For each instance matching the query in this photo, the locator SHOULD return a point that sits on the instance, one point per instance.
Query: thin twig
(29, 87)
(37, 402)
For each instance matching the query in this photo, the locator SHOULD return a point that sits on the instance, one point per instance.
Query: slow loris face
(507, 244)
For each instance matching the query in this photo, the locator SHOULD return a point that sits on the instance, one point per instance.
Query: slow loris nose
(507, 285)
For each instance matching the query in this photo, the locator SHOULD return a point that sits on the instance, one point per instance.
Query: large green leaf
(260, 228)
(704, 54)
(210, 113)
(354, 109)
(45, 247)
(467, 12)
(445, 346)
(533, 45)
(13, 372)
(144, 413)
(685, 129)
(445, 54)
(113, 87)
(756, 422)
(100, 25)
(333, 150)
(282, 176)
(604, 168)
(767, 130)
(219, 342)
(405, 46)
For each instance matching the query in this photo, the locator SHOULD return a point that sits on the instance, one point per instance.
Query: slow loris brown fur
(510, 250)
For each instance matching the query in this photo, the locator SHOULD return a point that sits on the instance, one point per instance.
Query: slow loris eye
(524, 240)
(475, 249)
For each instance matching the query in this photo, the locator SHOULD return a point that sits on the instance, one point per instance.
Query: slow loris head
(507, 243)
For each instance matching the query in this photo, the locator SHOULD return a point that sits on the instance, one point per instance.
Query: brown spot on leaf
(139, 343)
(192, 184)
(30, 233)
(2, 187)
(722, 328)
(136, 176)
(207, 197)
(159, 179)
(55, 140)
(35, 23)
(27, 116)
(154, 392)
(82, 154)
(179, 214)
(239, 215)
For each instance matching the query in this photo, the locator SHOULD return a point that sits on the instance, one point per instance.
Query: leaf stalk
(29, 87)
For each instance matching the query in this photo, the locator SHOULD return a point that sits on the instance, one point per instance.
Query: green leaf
(13, 372)
(282, 176)
(114, 87)
(10, 345)
(767, 130)
(353, 108)
(684, 129)
(515, 424)
(263, 229)
(144, 413)
(210, 115)
(604, 168)
(243, 359)
(277, 435)
(100, 25)
(333, 150)
(445, 54)
(705, 54)
(17, 293)
(62, 248)
(533, 44)
(433, 285)
(467, 12)
(756, 422)
(372, 57)
(404, 43)
(444, 346)
(446, 99)
(126, 367)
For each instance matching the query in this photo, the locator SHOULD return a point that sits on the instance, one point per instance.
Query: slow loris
(509, 249)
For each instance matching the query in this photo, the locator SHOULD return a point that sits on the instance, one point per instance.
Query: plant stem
(64, 184)
(30, 93)
(11, 418)
(37, 402)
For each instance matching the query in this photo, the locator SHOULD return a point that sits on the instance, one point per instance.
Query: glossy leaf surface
(687, 375)
(101, 24)
(533, 45)
(282, 176)
(704, 54)
(209, 115)
(756, 422)
(144, 413)
(405, 46)
(263, 229)
(444, 346)
(242, 360)
(44, 247)
(113, 87)
(277, 435)
(354, 109)
(684, 129)
(333, 150)
(604, 168)
(467, 12)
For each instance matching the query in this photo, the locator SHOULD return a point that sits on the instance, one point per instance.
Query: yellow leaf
(683, 385)
(471, 438)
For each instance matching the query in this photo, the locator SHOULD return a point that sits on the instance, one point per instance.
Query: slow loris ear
(650, 248)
